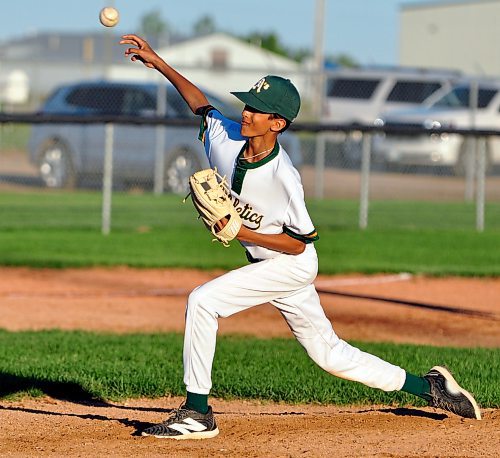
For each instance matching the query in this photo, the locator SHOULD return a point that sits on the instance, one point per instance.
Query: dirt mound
(378, 308)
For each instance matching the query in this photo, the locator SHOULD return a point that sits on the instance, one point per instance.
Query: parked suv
(360, 94)
(71, 154)
(450, 109)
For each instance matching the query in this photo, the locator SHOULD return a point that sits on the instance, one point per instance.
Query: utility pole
(319, 51)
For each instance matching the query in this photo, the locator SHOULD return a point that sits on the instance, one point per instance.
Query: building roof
(224, 51)
(103, 47)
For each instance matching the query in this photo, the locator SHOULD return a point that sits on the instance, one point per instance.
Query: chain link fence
(370, 146)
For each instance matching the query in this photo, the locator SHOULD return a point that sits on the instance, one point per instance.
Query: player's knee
(199, 299)
(194, 298)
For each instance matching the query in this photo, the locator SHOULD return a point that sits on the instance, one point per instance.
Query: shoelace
(179, 414)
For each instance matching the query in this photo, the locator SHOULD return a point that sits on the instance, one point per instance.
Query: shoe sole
(195, 435)
(453, 385)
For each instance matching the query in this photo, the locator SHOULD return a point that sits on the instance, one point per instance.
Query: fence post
(365, 181)
(470, 164)
(470, 159)
(107, 181)
(480, 183)
(319, 166)
(161, 109)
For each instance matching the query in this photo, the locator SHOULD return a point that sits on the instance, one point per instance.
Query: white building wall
(244, 65)
(459, 35)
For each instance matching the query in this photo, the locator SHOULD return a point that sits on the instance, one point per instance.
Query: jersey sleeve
(298, 223)
(213, 124)
(216, 129)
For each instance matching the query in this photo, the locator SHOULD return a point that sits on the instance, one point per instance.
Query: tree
(154, 28)
(271, 42)
(267, 40)
(342, 60)
(300, 54)
(204, 26)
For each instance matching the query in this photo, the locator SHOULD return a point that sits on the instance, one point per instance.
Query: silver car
(68, 155)
(450, 109)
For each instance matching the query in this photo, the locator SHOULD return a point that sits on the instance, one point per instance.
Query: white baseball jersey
(267, 194)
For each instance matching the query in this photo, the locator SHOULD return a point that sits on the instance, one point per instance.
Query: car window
(412, 91)
(176, 106)
(229, 111)
(108, 100)
(459, 97)
(351, 88)
(136, 101)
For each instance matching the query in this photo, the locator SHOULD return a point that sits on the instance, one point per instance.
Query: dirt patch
(55, 428)
(377, 308)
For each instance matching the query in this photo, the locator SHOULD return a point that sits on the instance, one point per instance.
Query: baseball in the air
(109, 16)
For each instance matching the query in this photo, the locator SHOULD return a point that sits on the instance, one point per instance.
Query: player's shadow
(405, 412)
(11, 384)
(138, 426)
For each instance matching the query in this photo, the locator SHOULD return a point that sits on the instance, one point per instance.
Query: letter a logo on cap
(261, 84)
(273, 94)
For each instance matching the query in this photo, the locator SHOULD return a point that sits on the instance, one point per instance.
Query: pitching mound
(379, 308)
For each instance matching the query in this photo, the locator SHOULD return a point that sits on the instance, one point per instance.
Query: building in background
(460, 35)
(48, 59)
(218, 62)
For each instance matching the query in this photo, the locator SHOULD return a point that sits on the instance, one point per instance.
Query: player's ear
(278, 124)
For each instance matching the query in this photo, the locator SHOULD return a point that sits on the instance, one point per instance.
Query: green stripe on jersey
(306, 238)
(203, 112)
(242, 165)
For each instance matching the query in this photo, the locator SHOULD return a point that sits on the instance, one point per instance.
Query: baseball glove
(212, 199)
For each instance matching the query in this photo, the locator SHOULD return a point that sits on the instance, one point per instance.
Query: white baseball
(109, 16)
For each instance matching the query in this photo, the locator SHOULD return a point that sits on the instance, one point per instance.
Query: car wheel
(179, 167)
(56, 166)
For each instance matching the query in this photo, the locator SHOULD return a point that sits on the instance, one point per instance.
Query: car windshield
(355, 88)
(459, 97)
(408, 91)
(180, 107)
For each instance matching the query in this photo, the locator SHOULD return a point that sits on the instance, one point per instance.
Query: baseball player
(278, 236)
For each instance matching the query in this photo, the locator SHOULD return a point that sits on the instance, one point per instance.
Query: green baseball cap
(273, 94)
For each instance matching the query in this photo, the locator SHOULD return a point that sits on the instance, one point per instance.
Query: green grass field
(84, 366)
(14, 136)
(63, 230)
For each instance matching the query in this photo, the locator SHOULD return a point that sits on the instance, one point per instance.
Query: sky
(365, 30)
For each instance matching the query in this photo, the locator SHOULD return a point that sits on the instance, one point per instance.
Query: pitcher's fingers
(129, 42)
(131, 51)
(135, 40)
(132, 36)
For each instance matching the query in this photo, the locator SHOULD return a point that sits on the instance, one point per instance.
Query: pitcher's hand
(140, 51)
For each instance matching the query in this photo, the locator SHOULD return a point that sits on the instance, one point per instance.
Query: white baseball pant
(286, 282)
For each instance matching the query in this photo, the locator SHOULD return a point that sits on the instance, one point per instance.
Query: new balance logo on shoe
(185, 424)
(188, 426)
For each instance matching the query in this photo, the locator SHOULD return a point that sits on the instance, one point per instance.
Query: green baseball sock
(418, 386)
(198, 402)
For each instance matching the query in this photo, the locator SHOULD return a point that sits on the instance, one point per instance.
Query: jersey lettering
(245, 212)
